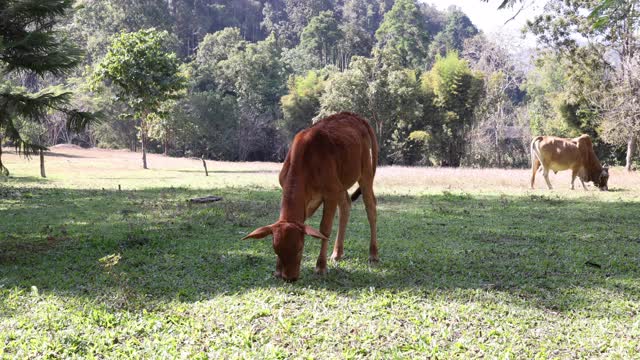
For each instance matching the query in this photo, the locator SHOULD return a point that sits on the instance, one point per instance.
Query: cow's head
(603, 179)
(288, 243)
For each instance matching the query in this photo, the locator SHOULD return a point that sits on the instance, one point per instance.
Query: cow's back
(559, 154)
(332, 148)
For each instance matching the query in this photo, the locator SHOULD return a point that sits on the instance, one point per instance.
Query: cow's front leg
(278, 272)
(328, 213)
(573, 179)
(583, 185)
(545, 174)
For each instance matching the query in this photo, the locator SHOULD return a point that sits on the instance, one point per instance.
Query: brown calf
(557, 154)
(324, 161)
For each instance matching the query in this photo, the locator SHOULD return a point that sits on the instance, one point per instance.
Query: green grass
(87, 272)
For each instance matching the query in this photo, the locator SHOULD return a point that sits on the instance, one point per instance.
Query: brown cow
(323, 162)
(577, 154)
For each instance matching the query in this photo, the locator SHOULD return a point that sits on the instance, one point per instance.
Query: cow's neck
(595, 169)
(293, 197)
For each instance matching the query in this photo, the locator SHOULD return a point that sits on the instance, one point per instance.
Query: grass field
(473, 265)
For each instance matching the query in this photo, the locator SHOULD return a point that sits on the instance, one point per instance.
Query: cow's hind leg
(573, 179)
(370, 205)
(328, 213)
(534, 168)
(344, 206)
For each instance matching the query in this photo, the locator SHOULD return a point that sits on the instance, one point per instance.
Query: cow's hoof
(320, 271)
(277, 274)
(374, 259)
(336, 257)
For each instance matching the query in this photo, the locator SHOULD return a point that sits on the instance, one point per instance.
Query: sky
(488, 18)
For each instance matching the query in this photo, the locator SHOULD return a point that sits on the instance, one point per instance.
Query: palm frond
(34, 107)
(28, 40)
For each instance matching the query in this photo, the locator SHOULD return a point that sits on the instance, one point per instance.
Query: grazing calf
(557, 154)
(324, 161)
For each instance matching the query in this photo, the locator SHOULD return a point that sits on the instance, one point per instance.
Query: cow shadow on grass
(140, 247)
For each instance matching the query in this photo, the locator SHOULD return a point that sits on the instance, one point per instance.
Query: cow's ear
(259, 233)
(313, 232)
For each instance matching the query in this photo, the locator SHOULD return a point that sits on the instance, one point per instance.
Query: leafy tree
(30, 44)
(95, 22)
(320, 38)
(434, 19)
(144, 73)
(257, 78)
(545, 87)
(209, 117)
(385, 97)
(360, 21)
(302, 104)
(620, 20)
(402, 37)
(288, 18)
(501, 135)
(456, 92)
(604, 29)
(458, 28)
(621, 125)
(214, 48)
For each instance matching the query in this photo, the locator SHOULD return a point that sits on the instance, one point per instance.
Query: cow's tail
(535, 150)
(374, 157)
(356, 194)
(535, 158)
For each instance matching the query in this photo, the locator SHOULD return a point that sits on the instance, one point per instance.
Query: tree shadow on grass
(152, 246)
(68, 156)
(22, 180)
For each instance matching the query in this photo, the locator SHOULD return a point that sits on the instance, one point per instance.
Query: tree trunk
(42, 172)
(497, 147)
(3, 170)
(166, 143)
(143, 140)
(204, 163)
(631, 148)
(144, 150)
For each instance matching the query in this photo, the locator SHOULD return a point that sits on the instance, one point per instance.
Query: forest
(236, 80)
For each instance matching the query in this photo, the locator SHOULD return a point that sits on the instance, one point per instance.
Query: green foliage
(210, 123)
(321, 36)
(388, 98)
(302, 103)
(227, 89)
(144, 73)
(219, 46)
(30, 44)
(402, 37)
(360, 21)
(456, 91)
(458, 28)
(591, 73)
(549, 107)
